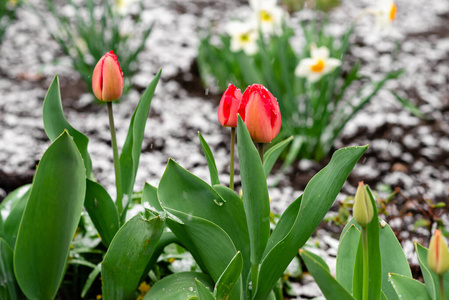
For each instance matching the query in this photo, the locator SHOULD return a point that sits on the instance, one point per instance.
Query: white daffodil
(385, 13)
(243, 36)
(268, 16)
(123, 6)
(319, 64)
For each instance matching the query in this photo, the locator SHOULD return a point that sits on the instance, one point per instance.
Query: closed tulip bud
(229, 104)
(260, 111)
(107, 79)
(363, 208)
(438, 255)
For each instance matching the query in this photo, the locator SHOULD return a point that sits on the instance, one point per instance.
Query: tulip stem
(231, 180)
(365, 263)
(118, 178)
(260, 147)
(440, 281)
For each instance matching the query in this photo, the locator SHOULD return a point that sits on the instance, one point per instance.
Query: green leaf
(149, 196)
(17, 202)
(129, 158)
(102, 211)
(302, 217)
(346, 254)
(374, 259)
(393, 259)
(203, 292)
(327, 283)
(270, 157)
(178, 286)
(229, 278)
(408, 288)
(431, 278)
(8, 287)
(90, 279)
(255, 193)
(50, 219)
(210, 161)
(414, 110)
(128, 255)
(183, 194)
(55, 123)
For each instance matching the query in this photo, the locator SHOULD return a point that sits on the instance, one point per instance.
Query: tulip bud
(260, 111)
(107, 79)
(438, 255)
(229, 104)
(363, 208)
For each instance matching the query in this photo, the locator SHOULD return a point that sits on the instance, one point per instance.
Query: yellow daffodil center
(393, 11)
(244, 38)
(265, 16)
(318, 67)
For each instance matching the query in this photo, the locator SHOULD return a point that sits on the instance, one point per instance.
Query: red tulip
(107, 79)
(229, 104)
(260, 111)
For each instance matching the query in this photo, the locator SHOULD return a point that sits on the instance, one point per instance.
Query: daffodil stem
(260, 146)
(118, 178)
(231, 180)
(365, 264)
(440, 281)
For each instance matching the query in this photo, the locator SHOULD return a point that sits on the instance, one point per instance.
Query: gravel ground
(404, 152)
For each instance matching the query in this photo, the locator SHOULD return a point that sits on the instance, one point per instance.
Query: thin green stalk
(440, 281)
(118, 178)
(231, 181)
(260, 148)
(365, 264)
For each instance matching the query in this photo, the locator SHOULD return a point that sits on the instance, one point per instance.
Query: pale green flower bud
(363, 208)
(438, 255)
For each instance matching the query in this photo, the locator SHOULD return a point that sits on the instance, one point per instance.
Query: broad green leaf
(374, 259)
(9, 290)
(95, 272)
(210, 161)
(55, 123)
(270, 157)
(229, 278)
(255, 193)
(181, 193)
(150, 196)
(408, 288)
(50, 219)
(203, 292)
(10, 201)
(392, 256)
(178, 286)
(303, 216)
(327, 283)
(347, 251)
(130, 156)
(102, 211)
(431, 278)
(16, 207)
(128, 255)
(393, 259)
